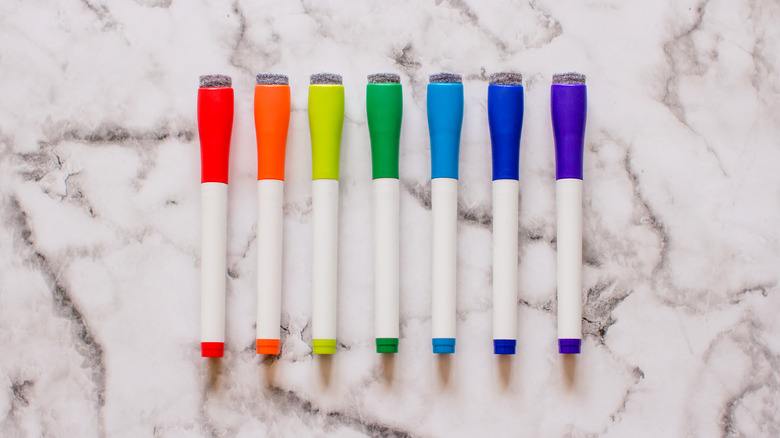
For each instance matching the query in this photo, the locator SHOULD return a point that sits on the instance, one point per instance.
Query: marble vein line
(102, 13)
(292, 401)
(86, 344)
(745, 337)
(654, 221)
(479, 216)
(677, 49)
(599, 305)
(465, 10)
(616, 416)
(409, 63)
(761, 288)
(673, 49)
(236, 55)
(112, 133)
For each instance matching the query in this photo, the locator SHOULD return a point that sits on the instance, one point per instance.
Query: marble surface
(99, 201)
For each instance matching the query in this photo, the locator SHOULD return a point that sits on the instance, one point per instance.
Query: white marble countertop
(99, 200)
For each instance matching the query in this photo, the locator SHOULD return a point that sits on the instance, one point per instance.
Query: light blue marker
(445, 117)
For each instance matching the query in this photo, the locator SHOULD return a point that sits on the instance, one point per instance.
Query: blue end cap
(505, 117)
(568, 104)
(445, 118)
(569, 346)
(443, 345)
(504, 346)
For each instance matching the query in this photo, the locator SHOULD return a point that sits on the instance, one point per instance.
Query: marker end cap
(443, 345)
(387, 345)
(323, 346)
(268, 346)
(504, 346)
(569, 346)
(212, 349)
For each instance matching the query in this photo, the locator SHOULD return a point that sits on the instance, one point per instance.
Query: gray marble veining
(99, 202)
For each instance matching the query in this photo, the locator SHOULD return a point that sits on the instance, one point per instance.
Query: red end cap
(212, 349)
(267, 346)
(215, 125)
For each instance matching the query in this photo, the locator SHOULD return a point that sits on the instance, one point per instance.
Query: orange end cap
(267, 346)
(212, 349)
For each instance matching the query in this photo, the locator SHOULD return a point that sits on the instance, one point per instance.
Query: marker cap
(272, 119)
(568, 105)
(323, 346)
(504, 346)
(569, 346)
(444, 345)
(326, 121)
(445, 118)
(387, 345)
(212, 349)
(215, 125)
(267, 346)
(505, 118)
(384, 108)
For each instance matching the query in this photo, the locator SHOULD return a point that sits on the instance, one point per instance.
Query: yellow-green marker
(384, 108)
(326, 119)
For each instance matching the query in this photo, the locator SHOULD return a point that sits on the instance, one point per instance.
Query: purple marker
(568, 101)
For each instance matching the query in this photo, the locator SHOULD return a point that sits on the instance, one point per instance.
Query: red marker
(215, 124)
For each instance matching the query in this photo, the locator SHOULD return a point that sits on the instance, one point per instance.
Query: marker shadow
(388, 368)
(444, 362)
(569, 368)
(269, 363)
(325, 364)
(213, 373)
(504, 364)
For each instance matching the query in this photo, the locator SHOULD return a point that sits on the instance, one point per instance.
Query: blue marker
(505, 116)
(445, 117)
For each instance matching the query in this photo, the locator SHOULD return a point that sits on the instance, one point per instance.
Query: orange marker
(272, 118)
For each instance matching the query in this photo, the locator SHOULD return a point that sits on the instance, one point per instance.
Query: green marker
(326, 119)
(384, 107)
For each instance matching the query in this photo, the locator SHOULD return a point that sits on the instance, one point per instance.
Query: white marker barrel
(270, 196)
(569, 204)
(505, 258)
(386, 257)
(213, 265)
(444, 206)
(325, 211)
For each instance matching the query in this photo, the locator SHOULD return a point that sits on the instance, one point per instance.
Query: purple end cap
(504, 346)
(569, 346)
(568, 105)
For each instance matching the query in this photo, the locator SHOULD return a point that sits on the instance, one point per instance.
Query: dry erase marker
(272, 118)
(568, 101)
(505, 117)
(215, 123)
(384, 107)
(326, 119)
(445, 117)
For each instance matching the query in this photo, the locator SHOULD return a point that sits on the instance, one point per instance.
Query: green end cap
(384, 108)
(326, 120)
(323, 346)
(387, 345)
